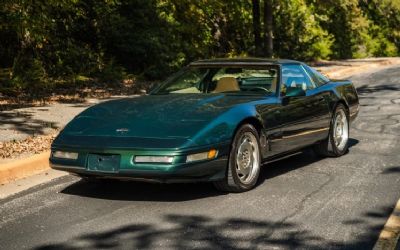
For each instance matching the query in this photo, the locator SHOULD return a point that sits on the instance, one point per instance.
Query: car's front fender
(223, 127)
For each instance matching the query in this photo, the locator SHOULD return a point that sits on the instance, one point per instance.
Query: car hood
(173, 117)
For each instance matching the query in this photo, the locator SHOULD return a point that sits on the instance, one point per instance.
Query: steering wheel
(262, 88)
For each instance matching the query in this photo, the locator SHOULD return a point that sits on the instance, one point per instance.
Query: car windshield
(227, 79)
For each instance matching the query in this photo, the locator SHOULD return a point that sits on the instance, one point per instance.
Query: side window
(294, 76)
(317, 77)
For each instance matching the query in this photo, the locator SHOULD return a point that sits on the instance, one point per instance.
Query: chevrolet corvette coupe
(215, 120)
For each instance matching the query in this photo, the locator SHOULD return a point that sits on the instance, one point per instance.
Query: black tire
(232, 182)
(328, 147)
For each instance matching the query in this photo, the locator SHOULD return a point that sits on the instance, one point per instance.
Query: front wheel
(337, 142)
(244, 161)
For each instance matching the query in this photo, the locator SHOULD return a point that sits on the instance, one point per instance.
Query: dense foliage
(48, 41)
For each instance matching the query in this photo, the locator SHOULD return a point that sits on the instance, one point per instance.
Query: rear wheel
(337, 142)
(244, 161)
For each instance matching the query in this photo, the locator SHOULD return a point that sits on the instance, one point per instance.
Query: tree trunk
(268, 29)
(257, 28)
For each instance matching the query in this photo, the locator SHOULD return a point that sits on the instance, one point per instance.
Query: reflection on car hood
(153, 116)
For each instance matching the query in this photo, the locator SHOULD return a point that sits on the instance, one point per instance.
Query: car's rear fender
(344, 92)
(347, 94)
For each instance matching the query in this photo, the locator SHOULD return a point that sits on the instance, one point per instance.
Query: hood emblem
(122, 130)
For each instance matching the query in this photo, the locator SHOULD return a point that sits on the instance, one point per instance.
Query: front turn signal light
(211, 154)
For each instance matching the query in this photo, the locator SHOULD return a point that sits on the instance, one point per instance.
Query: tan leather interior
(226, 84)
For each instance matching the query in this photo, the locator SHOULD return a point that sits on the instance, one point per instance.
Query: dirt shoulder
(348, 68)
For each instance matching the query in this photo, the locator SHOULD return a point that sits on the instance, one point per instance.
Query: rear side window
(316, 76)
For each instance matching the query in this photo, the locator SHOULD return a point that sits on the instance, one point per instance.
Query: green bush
(298, 34)
(111, 73)
(29, 75)
(72, 44)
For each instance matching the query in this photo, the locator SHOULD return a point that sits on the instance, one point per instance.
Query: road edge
(390, 234)
(14, 170)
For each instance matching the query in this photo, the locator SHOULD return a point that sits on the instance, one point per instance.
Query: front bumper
(177, 171)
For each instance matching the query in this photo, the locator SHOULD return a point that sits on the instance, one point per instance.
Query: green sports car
(215, 120)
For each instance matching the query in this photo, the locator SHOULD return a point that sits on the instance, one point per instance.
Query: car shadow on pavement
(281, 167)
(392, 170)
(353, 142)
(141, 191)
(367, 89)
(298, 161)
(204, 232)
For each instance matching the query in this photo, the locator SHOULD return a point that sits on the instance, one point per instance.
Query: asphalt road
(300, 202)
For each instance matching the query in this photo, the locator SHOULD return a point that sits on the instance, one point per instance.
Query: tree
(298, 33)
(257, 28)
(49, 42)
(268, 28)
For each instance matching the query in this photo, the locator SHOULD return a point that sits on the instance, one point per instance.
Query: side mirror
(295, 92)
(292, 92)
